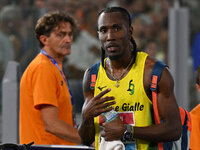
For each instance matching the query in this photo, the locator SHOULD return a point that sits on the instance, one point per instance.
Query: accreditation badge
(128, 118)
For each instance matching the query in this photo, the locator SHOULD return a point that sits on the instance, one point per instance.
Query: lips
(112, 47)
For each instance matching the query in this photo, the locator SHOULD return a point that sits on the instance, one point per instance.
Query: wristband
(109, 116)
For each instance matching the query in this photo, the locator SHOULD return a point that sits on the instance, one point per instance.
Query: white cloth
(111, 145)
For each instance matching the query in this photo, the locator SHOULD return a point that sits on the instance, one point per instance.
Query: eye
(116, 28)
(70, 34)
(61, 34)
(102, 30)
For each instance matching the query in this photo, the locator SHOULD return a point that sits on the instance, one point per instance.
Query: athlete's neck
(121, 62)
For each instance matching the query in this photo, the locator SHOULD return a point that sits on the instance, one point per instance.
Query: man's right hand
(97, 105)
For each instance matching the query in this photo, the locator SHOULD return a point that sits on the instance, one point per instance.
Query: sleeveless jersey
(131, 100)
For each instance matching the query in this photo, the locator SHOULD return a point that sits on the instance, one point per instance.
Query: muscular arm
(93, 106)
(58, 127)
(87, 124)
(170, 128)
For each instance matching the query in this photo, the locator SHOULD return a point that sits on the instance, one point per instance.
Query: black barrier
(9, 146)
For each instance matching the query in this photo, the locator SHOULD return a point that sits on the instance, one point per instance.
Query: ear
(198, 87)
(43, 39)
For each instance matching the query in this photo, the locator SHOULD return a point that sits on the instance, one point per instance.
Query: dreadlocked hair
(127, 17)
(102, 56)
(134, 51)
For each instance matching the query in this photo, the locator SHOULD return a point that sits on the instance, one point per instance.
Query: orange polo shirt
(195, 133)
(42, 83)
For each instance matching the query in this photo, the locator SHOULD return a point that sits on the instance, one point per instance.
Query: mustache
(66, 46)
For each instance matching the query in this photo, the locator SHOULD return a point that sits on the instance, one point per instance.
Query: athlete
(123, 85)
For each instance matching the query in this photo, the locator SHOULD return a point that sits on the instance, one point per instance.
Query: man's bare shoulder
(149, 63)
(86, 81)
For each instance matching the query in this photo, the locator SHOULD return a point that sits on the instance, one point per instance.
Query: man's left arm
(54, 125)
(169, 129)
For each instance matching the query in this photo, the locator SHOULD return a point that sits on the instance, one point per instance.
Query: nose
(68, 39)
(110, 35)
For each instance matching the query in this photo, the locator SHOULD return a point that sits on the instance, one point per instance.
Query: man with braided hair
(123, 84)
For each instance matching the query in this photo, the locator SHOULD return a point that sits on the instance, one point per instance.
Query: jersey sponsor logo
(127, 107)
(101, 88)
(131, 87)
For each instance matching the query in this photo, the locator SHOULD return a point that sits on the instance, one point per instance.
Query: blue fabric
(196, 51)
(184, 141)
(157, 71)
(130, 146)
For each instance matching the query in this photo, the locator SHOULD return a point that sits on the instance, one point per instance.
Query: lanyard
(56, 64)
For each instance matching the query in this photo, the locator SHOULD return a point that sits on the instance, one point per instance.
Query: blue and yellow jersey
(130, 97)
